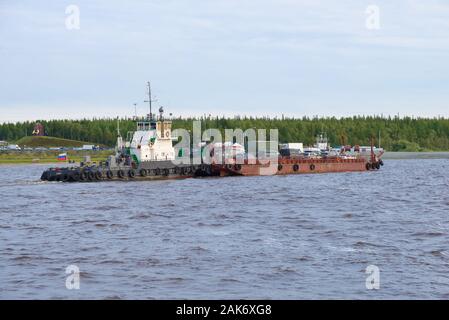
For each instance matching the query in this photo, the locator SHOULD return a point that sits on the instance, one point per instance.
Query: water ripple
(290, 237)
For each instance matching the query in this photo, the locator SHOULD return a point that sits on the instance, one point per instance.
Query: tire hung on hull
(98, 175)
(90, 176)
(76, 176)
(109, 174)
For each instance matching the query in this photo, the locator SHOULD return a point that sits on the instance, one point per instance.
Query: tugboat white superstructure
(152, 141)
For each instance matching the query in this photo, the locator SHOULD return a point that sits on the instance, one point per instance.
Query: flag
(62, 157)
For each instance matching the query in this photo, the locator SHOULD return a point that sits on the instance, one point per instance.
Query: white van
(13, 147)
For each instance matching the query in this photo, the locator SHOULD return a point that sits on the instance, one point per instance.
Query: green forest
(397, 134)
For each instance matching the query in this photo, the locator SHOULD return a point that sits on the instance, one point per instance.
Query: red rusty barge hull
(296, 166)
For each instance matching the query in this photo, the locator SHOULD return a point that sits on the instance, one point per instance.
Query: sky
(224, 57)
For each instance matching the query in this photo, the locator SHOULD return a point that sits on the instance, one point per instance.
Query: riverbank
(415, 155)
(25, 157)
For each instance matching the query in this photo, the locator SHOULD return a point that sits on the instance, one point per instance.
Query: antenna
(150, 100)
(118, 127)
(135, 109)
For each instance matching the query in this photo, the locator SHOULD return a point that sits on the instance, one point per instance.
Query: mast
(149, 100)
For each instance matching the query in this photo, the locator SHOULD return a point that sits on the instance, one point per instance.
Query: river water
(280, 237)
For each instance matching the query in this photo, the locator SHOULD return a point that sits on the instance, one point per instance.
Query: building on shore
(39, 130)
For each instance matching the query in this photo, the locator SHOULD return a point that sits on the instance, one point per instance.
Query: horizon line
(240, 117)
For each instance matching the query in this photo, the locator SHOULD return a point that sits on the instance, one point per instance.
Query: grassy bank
(49, 142)
(24, 157)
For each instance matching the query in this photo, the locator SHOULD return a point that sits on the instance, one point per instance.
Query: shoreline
(389, 155)
(404, 155)
(50, 157)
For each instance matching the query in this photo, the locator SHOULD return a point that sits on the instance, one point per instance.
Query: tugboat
(149, 155)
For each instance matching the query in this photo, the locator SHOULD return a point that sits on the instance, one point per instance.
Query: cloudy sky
(224, 57)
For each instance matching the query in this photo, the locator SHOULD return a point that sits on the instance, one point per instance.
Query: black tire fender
(90, 176)
(76, 176)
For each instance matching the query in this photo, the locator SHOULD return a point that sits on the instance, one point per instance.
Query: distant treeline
(397, 134)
